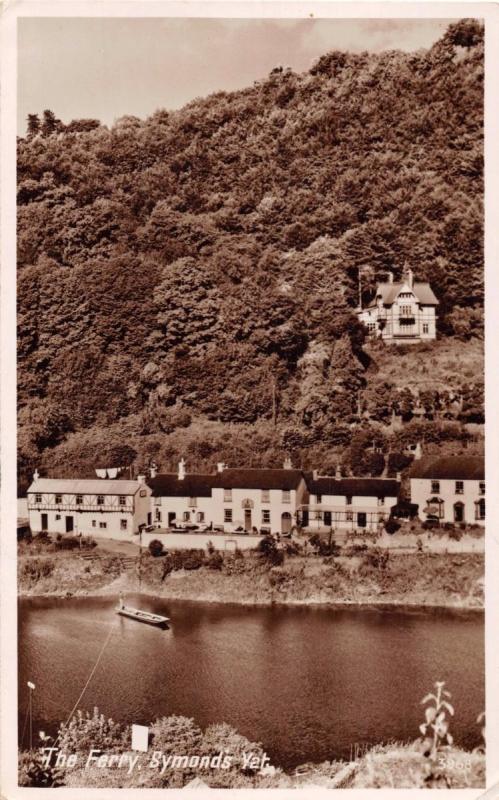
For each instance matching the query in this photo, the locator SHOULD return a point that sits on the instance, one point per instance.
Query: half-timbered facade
(113, 508)
(402, 312)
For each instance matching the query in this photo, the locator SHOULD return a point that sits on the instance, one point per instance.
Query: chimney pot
(315, 474)
(338, 474)
(287, 463)
(220, 466)
(181, 469)
(36, 475)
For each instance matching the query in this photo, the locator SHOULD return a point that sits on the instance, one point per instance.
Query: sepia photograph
(251, 496)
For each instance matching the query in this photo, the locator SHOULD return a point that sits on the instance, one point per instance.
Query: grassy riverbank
(372, 577)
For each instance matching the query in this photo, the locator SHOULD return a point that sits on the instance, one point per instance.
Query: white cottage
(262, 499)
(348, 503)
(402, 312)
(449, 489)
(109, 508)
(182, 499)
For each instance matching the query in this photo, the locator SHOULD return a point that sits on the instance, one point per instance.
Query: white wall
(189, 541)
(276, 506)
(421, 492)
(179, 506)
(338, 504)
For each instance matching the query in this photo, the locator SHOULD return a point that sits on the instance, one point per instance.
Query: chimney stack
(181, 469)
(315, 474)
(153, 470)
(36, 475)
(220, 466)
(390, 276)
(338, 474)
(141, 478)
(399, 477)
(287, 463)
(418, 452)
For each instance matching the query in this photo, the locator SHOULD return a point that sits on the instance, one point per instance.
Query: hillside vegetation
(200, 268)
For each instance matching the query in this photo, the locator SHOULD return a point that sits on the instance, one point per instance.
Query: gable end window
(122, 500)
(38, 498)
(100, 499)
(79, 499)
(58, 499)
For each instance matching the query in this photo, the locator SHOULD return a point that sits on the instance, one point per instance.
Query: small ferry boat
(142, 616)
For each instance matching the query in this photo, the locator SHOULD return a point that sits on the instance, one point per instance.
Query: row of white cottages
(450, 489)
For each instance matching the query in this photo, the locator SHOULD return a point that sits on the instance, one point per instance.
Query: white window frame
(227, 495)
(286, 496)
(228, 515)
(265, 516)
(265, 495)
(100, 499)
(434, 487)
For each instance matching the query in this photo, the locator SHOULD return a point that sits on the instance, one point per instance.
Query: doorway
(285, 522)
(45, 522)
(327, 519)
(362, 519)
(171, 519)
(459, 512)
(247, 520)
(69, 524)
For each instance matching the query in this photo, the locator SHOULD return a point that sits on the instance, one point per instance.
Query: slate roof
(450, 467)
(82, 486)
(194, 484)
(423, 292)
(350, 487)
(286, 479)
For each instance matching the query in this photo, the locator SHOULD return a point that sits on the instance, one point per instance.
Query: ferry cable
(106, 642)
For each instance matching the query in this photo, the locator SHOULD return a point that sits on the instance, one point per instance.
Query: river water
(307, 683)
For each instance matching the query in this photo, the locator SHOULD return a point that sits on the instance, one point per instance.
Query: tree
(50, 123)
(33, 126)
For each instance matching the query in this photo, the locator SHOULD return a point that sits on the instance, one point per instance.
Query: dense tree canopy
(207, 259)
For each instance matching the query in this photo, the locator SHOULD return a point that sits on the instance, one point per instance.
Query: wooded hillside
(201, 267)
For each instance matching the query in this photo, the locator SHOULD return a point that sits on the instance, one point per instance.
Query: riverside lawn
(158, 760)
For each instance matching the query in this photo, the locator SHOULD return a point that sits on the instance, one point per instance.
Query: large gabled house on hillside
(401, 312)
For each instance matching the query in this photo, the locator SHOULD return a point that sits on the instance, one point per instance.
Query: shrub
(392, 526)
(156, 548)
(36, 568)
(192, 563)
(176, 735)
(67, 543)
(377, 558)
(215, 561)
(111, 565)
(87, 730)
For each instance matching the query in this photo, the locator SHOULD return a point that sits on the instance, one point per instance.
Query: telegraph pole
(31, 687)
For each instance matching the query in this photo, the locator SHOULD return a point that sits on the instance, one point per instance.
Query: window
(348, 499)
(265, 496)
(426, 327)
(227, 495)
(200, 516)
(482, 487)
(100, 499)
(122, 500)
(143, 493)
(266, 516)
(58, 499)
(435, 487)
(193, 501)
(406, 295)
(459, 487)
(157, 501)
(480, 509)
(286, 496)
(406, 311)
(38, 498)
(94, 523)
(371, 327)
(349, 516)
(79, 499)
(319, 499)
(57, 516)
(381, 501)
(227, 515)
(102, 524)
(123, 524)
